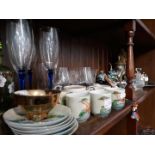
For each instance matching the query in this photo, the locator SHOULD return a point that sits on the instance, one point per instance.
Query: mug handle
(91, 88)
(58, 87)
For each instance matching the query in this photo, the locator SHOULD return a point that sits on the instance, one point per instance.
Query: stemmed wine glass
(61, 77)
(87, 76)
(49, 50)
(19, 43)
(74, 76)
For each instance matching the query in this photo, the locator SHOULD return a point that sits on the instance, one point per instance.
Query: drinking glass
(61, 77)
(87, 76)
(49, 50)
(74, 76)
(19, 43)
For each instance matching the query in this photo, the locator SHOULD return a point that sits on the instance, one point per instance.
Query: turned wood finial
(130, 70)
(130, 58)
(131, 35)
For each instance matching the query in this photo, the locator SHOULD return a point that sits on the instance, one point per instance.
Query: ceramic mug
(79, 103)
(118, 97)
(70, 89)
(101, 102)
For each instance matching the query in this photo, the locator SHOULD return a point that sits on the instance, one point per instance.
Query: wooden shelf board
(96, 124)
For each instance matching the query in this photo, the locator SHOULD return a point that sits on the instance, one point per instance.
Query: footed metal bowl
(37, 103)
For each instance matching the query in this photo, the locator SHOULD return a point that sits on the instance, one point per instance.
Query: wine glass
(87, 76)
(74, 76)
(19, 43)
(61, 77)
(49, 50)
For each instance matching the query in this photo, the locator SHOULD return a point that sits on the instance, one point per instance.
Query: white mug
(118, 97)
(79, 103)
(70, 89)
(101, 102)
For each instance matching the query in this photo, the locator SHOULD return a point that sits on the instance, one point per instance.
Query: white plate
(12, 117)
(27, 123)
(28, 128)
(48, 130)
(68, 130)
(71, 130)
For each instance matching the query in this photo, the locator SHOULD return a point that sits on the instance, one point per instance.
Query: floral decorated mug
(101, 102)
(79, 103)
(70, 89)
(118, 97)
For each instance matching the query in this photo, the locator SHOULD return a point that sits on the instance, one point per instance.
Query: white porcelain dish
(49, 130)
(28, 128)
(57, 114)
(69, 131)
(61, 122)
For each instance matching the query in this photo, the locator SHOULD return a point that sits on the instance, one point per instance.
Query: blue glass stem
(21, 74)
(50, 79)
(30, 78)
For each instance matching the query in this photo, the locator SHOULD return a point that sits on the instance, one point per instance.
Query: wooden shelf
(98, 125)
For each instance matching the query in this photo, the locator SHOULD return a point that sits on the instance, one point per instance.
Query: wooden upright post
(130, 69)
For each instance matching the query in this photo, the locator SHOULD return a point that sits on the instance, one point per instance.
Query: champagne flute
(19, 43)
(49, 50)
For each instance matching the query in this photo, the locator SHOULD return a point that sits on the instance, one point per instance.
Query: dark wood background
(76, 50)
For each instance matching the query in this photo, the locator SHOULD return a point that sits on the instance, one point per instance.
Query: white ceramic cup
(118, 97)
(101, 102)
(79, 103)
(70, 89)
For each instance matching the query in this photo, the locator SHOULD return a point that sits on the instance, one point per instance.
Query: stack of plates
(59, 122)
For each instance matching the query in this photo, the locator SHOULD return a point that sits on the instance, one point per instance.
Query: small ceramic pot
(101, 102)
(79, 103)
(118, 97)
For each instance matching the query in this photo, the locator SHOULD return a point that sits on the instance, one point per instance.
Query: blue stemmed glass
(49, 50)
(19, 43)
